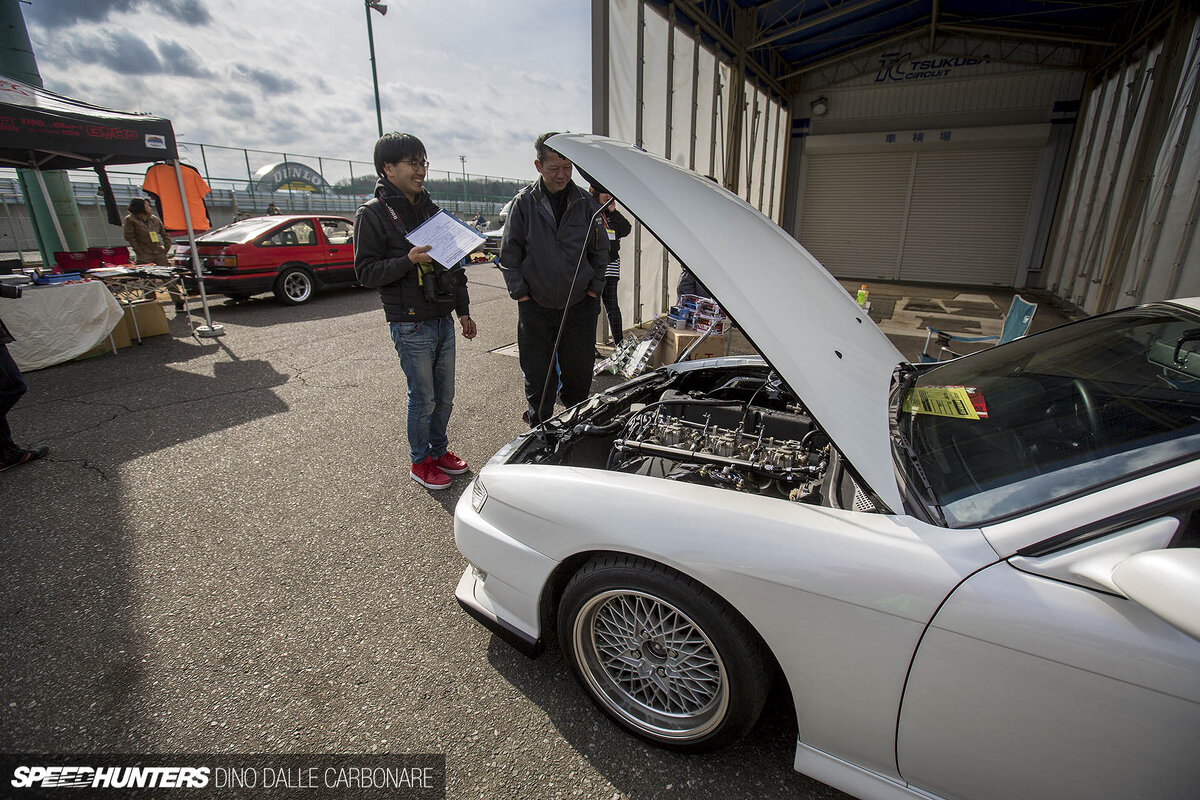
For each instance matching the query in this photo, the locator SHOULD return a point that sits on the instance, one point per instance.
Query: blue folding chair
(1016, 324)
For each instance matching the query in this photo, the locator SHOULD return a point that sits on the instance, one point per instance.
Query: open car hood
(802, 321)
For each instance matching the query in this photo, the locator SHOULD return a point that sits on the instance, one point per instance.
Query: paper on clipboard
(450, 240)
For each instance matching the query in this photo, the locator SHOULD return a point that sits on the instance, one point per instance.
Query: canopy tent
(43, 130)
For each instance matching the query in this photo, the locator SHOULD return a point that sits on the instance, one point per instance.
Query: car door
(1036, 678)
(337, 250)
(295, 242)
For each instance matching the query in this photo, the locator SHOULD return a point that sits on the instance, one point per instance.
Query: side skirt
(852, 779)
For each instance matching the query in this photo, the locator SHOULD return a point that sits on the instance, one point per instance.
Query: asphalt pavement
(223, 553)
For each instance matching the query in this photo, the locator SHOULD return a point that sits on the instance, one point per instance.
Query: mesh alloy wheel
(661, 654)
(651, 664)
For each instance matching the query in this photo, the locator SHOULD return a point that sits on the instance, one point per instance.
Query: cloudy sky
(479, 78)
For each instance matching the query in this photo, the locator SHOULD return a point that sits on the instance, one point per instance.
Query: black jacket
(620, 228)
(538, 256)
(381, 256)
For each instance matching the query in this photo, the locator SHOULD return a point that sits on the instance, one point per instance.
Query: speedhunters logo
(272, 776)
(26, 777)
(903, 67)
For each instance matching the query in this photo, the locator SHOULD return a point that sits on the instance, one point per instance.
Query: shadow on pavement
(264, 311)
(73, 566)
(645, 772)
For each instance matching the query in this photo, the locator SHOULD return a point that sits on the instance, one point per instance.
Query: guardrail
(232, 174)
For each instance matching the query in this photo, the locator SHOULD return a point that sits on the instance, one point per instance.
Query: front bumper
(508, 600)
(474, 600)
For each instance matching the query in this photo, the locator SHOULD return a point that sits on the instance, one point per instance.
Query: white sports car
(979, 578)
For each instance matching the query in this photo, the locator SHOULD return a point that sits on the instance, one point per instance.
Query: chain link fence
(244, 182)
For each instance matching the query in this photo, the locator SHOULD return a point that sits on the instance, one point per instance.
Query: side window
(1188, 534)
(337, 231)
(300, 232)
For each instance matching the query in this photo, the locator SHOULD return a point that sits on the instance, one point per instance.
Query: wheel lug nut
(662, 673)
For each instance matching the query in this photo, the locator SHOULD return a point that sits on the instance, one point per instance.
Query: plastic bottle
(862, 295)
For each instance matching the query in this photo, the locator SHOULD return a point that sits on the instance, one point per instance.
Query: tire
(294, 286)
(701, 701)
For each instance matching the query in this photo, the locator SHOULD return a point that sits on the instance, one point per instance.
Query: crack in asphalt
(84, 463)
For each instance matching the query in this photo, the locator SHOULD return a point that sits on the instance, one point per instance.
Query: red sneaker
(450, 464)
(428, 475)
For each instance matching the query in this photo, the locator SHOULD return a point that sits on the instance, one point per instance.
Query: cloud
(268, 81)
(122, 52)
(257, 78)
(56, 14)
(189, 12)
(236, 99)
(181, 60)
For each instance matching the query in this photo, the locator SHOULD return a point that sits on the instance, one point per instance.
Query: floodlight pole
(382, 9)
(463, 160)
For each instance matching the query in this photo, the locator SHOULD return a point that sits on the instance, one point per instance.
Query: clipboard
(450, 239)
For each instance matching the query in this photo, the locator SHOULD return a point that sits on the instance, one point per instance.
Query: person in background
(617, 228)
(12, 387)
(690, 284)
(551, 232)
(273, 210)
(149, 240)
(419, 318)
(481, 221)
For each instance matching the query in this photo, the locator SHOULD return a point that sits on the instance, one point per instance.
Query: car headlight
(478, 495)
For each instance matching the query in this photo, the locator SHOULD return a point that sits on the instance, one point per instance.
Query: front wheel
(294, 286)
(662, 655)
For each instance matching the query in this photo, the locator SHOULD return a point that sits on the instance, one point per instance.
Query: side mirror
(1166, 583)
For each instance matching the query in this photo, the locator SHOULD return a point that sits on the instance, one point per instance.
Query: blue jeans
(426, 351)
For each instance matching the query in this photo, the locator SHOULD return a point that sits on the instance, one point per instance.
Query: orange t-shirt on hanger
(161, 180)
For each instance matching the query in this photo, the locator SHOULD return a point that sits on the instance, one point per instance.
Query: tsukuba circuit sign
(289, 175)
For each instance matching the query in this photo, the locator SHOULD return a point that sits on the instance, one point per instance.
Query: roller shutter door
(853, 212)
(967, 216)
(951, 216)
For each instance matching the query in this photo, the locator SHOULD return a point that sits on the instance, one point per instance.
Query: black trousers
(613, 308)
(537, 328)
(12, 386)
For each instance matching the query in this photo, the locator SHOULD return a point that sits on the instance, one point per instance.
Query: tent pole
(208, 330)
(62, 240)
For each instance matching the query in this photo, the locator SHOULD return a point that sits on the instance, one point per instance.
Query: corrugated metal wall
(935, 180)
(673, 96)
(1124, 230)
(1010, 97)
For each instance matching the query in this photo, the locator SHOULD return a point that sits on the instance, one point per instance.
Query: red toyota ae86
(291, 256)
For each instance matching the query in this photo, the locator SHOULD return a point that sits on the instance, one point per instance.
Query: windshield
(240, 232)
(1054, 415)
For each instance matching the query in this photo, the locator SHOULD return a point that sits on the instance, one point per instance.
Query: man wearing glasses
(421, 326)
(553, 261)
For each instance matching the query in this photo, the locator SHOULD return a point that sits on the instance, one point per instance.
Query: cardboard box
(151, 320)
(675, 342)
(120, 336)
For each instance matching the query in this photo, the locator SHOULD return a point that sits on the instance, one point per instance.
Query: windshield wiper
(902, 381)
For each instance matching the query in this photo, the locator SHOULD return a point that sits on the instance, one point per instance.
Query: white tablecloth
(55, 323)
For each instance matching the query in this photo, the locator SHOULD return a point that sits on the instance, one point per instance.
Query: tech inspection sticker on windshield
(964, 402)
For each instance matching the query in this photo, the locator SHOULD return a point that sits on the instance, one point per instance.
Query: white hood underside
(801, 319)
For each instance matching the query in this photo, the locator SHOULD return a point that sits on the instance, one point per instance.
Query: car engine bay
(739, 428)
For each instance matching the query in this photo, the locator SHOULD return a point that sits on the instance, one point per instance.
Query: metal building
(1014, 143)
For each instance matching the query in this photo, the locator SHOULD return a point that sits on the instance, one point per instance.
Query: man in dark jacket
(419, 315)
(12, 387)
(553, 256)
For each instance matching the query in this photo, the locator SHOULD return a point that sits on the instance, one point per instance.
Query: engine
(741, 429)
